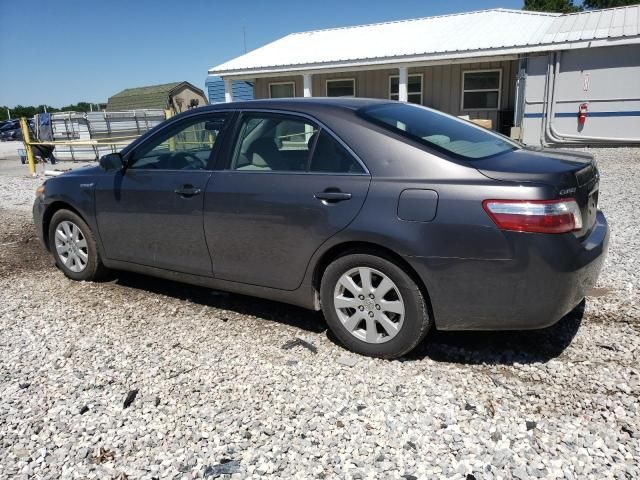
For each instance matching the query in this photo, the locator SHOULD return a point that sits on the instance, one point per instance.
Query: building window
(481, 89)
(344, 87)
(414, 88)
(282, 90)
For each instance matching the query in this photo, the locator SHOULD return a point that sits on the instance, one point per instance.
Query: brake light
(538, 216)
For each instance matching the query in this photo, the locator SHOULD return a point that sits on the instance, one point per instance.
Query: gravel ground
(233, 386)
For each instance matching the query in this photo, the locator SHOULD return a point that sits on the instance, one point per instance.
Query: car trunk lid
(572, 174)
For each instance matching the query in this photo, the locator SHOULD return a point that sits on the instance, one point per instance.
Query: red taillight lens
(538, 216)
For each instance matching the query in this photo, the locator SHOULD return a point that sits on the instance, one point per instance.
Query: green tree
(29, 111)
(559, 6)
(597, 4)
(23, 111)
(568, 6)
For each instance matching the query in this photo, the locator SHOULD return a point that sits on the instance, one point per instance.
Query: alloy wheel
(369, 305)
(71, 246)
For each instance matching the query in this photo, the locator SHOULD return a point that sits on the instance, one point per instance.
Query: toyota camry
(389, 217)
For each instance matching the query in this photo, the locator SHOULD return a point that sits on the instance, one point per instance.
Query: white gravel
(217, 392)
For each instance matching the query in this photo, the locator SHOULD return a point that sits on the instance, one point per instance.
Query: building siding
(441, 85)
(261, 86)
(606, 79)
(182, 98)
(242, 90)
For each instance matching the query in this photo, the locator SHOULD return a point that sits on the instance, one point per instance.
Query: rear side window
(274, 143)
(440, 131)
(283, 143)
(331, 157)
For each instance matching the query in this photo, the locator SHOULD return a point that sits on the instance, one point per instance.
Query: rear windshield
(438, 130)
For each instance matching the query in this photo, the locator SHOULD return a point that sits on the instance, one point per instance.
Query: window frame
(176, 127)
(292, 83)
(463, 90)
(349, 79)
(421, 75)
(234, 137)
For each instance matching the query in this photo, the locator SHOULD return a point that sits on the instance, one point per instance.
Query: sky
(67, 51)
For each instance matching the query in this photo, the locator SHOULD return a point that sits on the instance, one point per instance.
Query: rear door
(151, 213)
(289, 186)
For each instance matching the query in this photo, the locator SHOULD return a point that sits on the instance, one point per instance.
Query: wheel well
(48, 215)
(348, 248)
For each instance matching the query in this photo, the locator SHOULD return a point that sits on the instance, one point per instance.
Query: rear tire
(74, 248)
(373, 306)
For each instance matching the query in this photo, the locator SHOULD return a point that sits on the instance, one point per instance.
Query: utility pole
(244, 38)
(45, 109)
(8, 114)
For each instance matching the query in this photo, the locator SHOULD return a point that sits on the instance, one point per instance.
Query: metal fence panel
(121, 127)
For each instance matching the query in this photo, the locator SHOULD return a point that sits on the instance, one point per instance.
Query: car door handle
(187, 191)
(332, 197)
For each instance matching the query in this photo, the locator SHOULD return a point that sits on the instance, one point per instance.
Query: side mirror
(112, 161)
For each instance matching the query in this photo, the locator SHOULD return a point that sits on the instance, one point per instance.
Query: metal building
(544, 78)
(242, 90)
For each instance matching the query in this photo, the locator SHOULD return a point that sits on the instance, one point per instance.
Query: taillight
(539, 216)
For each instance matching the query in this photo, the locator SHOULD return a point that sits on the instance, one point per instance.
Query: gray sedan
(389, 217)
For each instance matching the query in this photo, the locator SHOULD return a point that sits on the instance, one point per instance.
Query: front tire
(373, 306)
(74, 247)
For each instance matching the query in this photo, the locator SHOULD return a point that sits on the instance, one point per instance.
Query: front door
(289, 187)
(151, 213)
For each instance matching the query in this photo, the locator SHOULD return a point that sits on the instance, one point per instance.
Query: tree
(29, 111)
(567, 6)
(597, 4)
(559, 6)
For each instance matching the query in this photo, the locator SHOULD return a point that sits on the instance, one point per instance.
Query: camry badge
(568, 191)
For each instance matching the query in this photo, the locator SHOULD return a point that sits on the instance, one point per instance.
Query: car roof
(302, 104)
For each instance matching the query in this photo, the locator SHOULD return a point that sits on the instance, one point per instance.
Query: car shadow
(504, 348)
(238, 304)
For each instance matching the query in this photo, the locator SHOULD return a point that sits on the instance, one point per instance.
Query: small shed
(177, 96)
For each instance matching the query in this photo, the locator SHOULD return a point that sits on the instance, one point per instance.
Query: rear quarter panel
(460, 255)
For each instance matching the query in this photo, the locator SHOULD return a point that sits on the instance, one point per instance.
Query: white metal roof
(594, 25)
(473, 34)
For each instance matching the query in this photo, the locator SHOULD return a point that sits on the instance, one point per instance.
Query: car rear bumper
(543, 280)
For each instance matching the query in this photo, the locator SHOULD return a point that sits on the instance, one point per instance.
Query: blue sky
(65, 51)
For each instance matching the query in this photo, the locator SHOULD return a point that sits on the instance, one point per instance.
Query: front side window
(414, 88)
(341, 88)
(186, 146)
(282, 90)
(438, 130)
(274, 143)
(481, 89)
